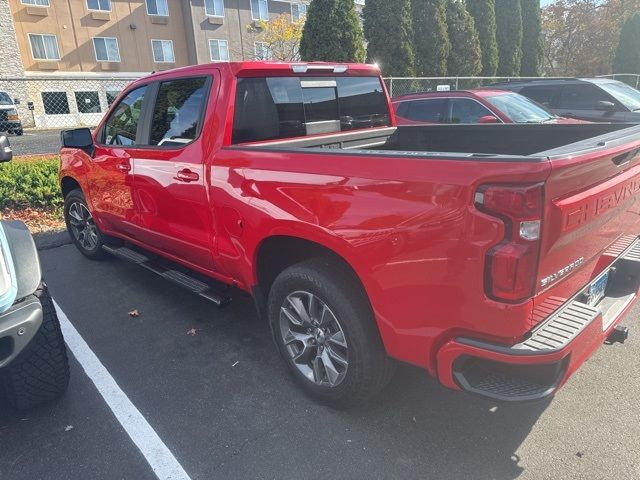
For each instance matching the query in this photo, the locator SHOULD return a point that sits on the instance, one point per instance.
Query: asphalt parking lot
(210, 383)
(36, 142)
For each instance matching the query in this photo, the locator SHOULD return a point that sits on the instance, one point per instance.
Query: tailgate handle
(625, 158)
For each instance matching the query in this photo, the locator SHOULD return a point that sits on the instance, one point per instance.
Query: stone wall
(11, 68)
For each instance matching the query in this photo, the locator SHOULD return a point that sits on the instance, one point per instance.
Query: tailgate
(592, 199)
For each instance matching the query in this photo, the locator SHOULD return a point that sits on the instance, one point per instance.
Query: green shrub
(30, 183)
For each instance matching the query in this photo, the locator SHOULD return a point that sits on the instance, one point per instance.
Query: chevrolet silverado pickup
(496, 257)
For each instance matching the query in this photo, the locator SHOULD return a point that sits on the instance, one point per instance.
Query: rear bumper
(552, 351)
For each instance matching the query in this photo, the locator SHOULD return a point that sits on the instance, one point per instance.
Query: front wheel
(84, 232)
(324, 329)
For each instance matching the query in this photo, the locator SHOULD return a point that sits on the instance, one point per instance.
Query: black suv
(593, 99)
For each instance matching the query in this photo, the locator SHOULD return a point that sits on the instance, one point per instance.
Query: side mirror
(16, 101)
(6, 154)
(488, 119)
(606, 106)
(78, 138)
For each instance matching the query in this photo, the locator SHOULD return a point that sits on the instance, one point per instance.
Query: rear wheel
(325, 331)
(41, 372)
(84, 232)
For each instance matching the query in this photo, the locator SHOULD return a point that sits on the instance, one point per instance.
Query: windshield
(519, 109)
(5, 99)
(626, 95)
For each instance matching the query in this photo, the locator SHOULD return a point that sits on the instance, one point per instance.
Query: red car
(471, 106)
(496, 257)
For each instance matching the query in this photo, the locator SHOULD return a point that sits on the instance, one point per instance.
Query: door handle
(186, 175)
(124, 167)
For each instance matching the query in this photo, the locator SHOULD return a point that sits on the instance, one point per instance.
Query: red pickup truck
(496, 257)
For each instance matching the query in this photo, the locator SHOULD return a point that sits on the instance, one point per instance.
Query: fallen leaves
(38, 220)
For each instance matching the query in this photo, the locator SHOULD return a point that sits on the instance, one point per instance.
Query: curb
(49, 240)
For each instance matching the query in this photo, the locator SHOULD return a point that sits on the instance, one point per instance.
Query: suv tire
(347, 363)
(41, 372)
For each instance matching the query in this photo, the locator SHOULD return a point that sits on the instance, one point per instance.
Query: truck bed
(534, 141)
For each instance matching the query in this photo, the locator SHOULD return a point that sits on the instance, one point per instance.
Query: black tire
(19, 132)
(72, 200)
(41, 372)
(369, 368)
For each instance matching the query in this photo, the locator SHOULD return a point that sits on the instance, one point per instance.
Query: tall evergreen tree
(509, 36)
(484, 15)
(465, 57)
(388, 29)
(531, 39)
(431, 40)
(332, 32)
(627, 59)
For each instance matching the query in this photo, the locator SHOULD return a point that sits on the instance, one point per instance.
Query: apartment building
(141, 35)
(77, 55)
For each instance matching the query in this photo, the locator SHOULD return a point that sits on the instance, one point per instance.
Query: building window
(44, 47)
(157, 7)
(37, 3)
(100, 5)
(263, 52)
(88, 102)
(214, 8)
(298, 11)
(106, 49)
(55, 103)
(163, 51)
(111, 96)
(219, 50)
(260, 10)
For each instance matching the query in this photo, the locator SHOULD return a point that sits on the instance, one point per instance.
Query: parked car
(471, 106)
(9, 119)
(496, 257)
(33, 361)
(592, 99)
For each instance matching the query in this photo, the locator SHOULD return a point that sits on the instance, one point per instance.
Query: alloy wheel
(82, 226)
(314, 339)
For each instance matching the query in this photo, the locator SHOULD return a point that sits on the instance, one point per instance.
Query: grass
(29, 191)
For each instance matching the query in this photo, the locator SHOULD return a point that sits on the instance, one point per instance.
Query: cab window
(177, 113)
(122, 126)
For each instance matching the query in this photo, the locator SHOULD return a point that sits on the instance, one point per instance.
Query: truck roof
(262, 68)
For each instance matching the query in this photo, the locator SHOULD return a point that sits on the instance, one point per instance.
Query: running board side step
(203, 288)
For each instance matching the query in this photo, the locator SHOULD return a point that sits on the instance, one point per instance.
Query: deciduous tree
(281, 36)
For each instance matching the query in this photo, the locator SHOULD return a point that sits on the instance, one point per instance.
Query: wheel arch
(68, 184)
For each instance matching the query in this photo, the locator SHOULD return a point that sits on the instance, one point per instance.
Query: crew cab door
(111, 178)
(173, 213)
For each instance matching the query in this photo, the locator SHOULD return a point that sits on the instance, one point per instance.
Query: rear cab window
(270, 108)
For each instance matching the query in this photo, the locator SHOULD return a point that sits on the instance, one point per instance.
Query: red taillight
(511, 266)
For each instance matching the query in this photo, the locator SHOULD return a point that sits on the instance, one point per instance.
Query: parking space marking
(155, 452)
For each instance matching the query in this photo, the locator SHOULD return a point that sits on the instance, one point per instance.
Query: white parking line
(155, 452)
